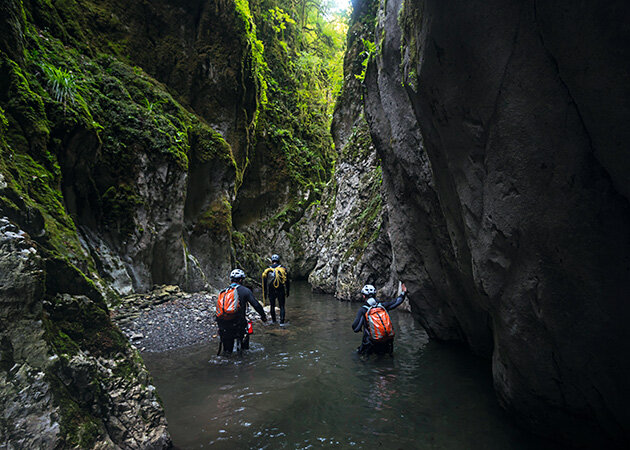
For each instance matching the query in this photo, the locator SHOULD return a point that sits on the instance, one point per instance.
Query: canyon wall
(118, 167)
(499, 125)
(330, 229)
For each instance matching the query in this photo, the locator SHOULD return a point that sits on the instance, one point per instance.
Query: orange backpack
(227, 304)
(379, 324)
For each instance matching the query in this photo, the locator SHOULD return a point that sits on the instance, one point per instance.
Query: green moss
(256, 48)
(37, 187)
(410, 21)
(217, 219)
(88, 433)
(367, 225)
(207, 144)
(238, 239)
(58, 340)
(78, 427)
(121, 203)
(359, 145)
(28, 126)
(79, 320)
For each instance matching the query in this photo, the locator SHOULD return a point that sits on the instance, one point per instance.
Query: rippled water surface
(303, 386)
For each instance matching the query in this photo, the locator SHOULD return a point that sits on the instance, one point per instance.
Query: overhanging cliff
(499, 127)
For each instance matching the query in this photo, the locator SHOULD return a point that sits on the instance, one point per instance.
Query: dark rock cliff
(68, 377)
(500, 127)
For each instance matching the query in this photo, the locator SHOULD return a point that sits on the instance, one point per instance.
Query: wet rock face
(25, 398)
(508, 201)
(345, 236)
(352, 247)
(67, 378)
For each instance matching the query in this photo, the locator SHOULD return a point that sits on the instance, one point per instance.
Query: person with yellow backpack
(373, 318)
(276, 284)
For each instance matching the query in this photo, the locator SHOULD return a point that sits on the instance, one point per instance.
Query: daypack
(228, 304)
(379, 324)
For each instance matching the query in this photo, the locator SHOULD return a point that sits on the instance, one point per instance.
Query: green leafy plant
(369, 48)
(62, 84)
(151, 106)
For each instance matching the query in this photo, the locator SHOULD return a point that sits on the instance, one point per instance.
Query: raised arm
(395, 303)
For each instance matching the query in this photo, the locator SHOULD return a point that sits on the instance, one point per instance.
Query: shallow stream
(303, 386)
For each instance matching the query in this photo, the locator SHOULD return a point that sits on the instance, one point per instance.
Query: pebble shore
(167, 318)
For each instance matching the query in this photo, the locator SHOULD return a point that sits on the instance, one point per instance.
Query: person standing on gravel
(232, 313)
(276, 285)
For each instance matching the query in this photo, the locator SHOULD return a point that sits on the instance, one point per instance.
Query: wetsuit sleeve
(394, 303)
(257, 306)
(358, 320)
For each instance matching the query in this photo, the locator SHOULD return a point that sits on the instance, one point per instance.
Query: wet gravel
(167, 319)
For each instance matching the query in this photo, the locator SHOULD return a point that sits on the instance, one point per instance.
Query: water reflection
(303, 386)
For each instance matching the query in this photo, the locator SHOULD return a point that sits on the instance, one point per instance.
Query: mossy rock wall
(339, 239)
(117, 157)
(119, 185)
(68, 376)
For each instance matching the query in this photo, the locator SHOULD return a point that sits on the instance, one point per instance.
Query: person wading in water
(232, 313)
(373, 318)
(275, 282)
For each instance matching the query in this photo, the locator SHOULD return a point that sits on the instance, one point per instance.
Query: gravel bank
(167, 319)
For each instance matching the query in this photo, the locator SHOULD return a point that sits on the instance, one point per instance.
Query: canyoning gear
(250, 327)
(227, 303)
(275, 258)
(368, 290)
(379, 323)
(372, 301)
(237, 274)
(274, 277)
(276, 285)
(362, 322)
(233, 330)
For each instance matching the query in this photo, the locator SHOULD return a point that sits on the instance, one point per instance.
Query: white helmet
(237, 274)
(368, 290)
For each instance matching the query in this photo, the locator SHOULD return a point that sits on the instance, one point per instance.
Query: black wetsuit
(229, 330)
(280, 293)
(367, 345)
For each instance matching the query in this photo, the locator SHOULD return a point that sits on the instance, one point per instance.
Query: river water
(303, 386)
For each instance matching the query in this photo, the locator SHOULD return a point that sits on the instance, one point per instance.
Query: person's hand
(403, 289)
